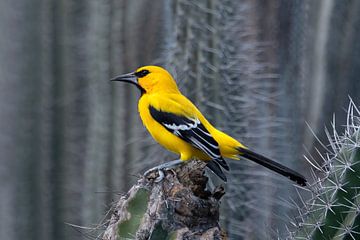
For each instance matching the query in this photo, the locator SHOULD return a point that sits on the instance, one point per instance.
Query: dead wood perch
(177, 208)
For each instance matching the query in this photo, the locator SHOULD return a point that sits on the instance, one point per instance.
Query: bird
(179, 126)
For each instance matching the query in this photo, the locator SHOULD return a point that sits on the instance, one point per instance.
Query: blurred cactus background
(71, 142)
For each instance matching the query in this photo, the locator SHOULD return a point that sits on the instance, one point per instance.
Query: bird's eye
(142, 73)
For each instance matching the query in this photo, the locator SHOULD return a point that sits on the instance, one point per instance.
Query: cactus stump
(178, 207)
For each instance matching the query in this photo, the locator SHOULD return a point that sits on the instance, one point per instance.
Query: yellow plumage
(176, 124)
(178, 104)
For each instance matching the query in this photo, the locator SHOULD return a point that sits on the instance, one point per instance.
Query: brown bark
(178, 207)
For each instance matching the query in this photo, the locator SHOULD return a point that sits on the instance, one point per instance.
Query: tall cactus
(333, 211)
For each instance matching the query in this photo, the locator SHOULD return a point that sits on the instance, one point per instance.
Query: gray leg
(161, 167)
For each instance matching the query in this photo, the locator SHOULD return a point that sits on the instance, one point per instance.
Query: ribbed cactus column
(333, 212)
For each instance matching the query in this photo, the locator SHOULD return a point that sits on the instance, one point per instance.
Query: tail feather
(222, 163)
(214, 166)
(274, 166)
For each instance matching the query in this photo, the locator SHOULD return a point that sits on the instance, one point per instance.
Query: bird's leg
(164, 166)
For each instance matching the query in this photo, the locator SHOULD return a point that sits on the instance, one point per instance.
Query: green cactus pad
(137, 208)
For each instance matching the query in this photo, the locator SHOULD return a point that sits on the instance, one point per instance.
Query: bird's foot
(160, 169)
(160, 172)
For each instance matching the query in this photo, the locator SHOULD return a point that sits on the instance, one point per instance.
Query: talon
(147, 172)
(157, 179)
(160, 177)
(160, 169)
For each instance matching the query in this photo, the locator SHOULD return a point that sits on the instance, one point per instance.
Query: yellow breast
(163, 136)
(182, 106)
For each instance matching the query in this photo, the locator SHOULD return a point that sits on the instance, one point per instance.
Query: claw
(160, 169)
(160, 177)
(149, 171)
(160, 172)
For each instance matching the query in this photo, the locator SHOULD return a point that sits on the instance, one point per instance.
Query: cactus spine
(333, 211)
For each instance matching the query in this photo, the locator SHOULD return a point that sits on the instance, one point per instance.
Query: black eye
(142, 73)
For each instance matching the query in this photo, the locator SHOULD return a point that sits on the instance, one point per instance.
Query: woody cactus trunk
(178, 207)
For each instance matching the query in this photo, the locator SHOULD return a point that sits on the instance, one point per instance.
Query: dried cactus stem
(179, 207)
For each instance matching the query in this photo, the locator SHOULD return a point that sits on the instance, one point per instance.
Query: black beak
(129, 78)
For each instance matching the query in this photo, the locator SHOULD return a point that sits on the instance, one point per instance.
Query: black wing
(192, 131)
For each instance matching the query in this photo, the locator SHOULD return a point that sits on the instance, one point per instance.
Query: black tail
(277, 167)
(215, 166)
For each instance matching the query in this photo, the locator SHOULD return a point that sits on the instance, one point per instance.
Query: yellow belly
(175, 144)
(166, 138)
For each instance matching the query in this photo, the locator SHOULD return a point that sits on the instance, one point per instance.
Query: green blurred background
(71, 142)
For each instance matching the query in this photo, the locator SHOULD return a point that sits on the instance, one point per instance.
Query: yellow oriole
(175, 123)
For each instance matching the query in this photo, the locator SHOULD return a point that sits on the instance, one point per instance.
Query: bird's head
(150, 79)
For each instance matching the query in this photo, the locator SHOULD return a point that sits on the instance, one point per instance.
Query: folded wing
(191, 130)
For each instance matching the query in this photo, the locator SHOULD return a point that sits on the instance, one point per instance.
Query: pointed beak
(129, 77)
